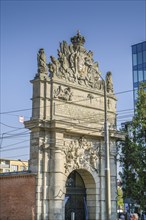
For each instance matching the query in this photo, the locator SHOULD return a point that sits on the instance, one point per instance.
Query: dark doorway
(75, 199)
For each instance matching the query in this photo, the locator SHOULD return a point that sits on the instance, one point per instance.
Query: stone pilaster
(41, 98)
(57, 180)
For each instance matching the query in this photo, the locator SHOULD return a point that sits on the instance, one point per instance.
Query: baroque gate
(67, 150)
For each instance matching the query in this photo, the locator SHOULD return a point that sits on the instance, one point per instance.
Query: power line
(22, 147)
(119, 93)
(20, 142)
(20, 134)
(14, 156)
(98, 114)
(123, 110)
(15, 134)
(81, 121)
(10, 126)
(29, 109)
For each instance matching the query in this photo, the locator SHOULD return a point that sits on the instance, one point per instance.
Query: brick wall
(17, 197)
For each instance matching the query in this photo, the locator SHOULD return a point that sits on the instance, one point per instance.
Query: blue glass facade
(138, 66)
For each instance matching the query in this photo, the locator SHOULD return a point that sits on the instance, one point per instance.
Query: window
(140, 75)
(139, 58)
(144, 56)
(135, 79)
(144, 74)
(135, 94)
(134, 49)
(144, 45)
(22, 168)
(134, 59)
(139, 47)
(6, 170)
(14, 168)
(4, 162)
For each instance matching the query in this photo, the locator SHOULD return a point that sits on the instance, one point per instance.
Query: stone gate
(67, 148)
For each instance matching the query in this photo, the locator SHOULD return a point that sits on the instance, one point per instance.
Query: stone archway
(80, 198)
(67, 130)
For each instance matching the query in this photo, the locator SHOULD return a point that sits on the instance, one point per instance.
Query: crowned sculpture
(75, 64)
(78, 40)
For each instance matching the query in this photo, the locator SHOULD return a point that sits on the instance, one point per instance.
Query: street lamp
(107, 160)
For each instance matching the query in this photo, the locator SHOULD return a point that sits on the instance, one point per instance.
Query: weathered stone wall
(82, 105)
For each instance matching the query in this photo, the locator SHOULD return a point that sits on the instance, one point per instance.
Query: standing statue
(41, 59)
(109, 82)
(54, 66)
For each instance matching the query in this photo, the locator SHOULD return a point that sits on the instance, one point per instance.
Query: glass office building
(138, 66)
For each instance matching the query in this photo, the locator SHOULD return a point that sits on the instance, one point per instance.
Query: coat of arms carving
(75, 64)
(81, 152)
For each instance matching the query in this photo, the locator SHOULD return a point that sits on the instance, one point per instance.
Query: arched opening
(75, 198)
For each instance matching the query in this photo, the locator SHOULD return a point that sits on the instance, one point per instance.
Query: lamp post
(107, 158)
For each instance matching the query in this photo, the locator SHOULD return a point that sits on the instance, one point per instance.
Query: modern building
(138, 66)
(9, 165)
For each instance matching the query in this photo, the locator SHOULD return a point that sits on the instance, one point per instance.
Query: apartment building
(10, 165)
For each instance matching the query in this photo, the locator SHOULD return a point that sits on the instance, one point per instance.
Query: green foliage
(133, 153)
(120, 201)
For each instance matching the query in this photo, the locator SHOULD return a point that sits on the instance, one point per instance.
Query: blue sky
(109, 27)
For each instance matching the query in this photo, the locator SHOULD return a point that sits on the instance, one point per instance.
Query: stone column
(113, 165)
(102, 182)
(57, 179)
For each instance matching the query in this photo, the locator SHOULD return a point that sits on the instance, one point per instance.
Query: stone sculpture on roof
(41, 59)
(109, 82)
(75, 64)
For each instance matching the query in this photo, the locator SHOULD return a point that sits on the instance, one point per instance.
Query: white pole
(107, 159)
(72, 215)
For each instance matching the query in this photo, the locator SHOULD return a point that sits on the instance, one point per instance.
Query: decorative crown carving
(76, 65)
(78, 39)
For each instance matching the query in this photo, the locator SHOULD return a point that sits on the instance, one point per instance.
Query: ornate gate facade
(67, 134)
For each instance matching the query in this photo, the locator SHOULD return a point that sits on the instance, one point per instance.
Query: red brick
(17, 197)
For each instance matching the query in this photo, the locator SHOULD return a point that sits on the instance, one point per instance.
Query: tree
(120, 202)
(133, 153)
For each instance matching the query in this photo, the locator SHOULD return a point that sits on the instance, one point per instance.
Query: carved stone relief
(75, 64)
(90, 96)
(81, 153)
(64, 94)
